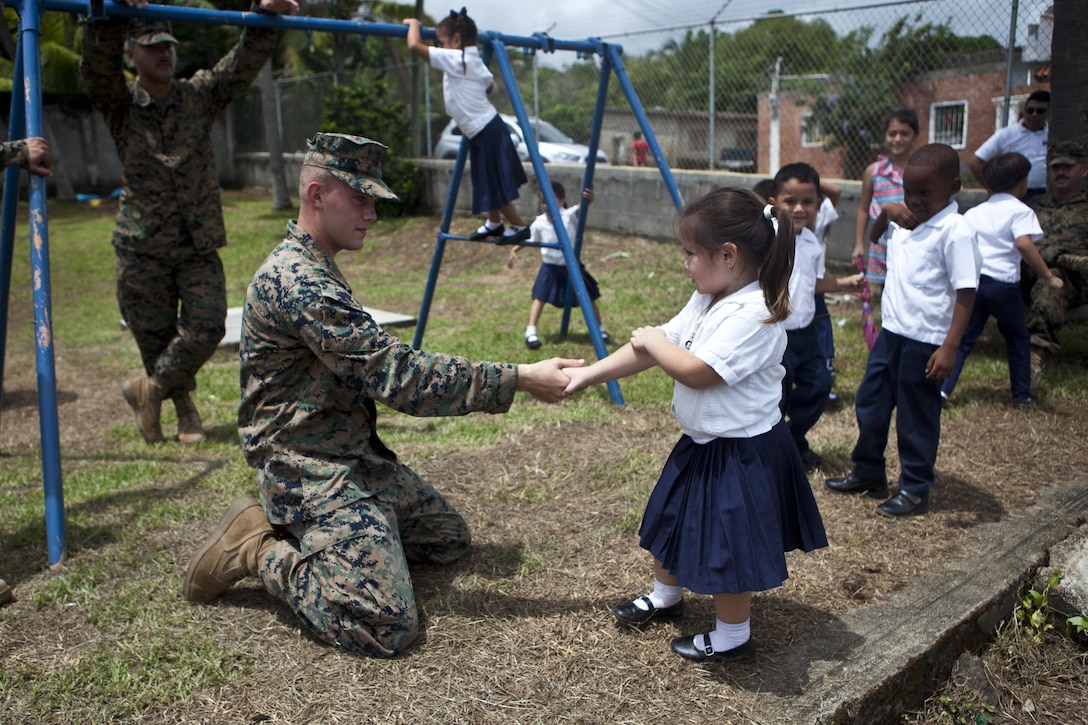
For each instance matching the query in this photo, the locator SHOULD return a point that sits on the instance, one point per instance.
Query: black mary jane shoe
(631, 613)
(685, 647)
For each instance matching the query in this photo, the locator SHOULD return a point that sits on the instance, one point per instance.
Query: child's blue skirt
(495, 167)
(723, 514)
(551, 285)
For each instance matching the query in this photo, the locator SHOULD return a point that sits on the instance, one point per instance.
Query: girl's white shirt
(734, 339)
(464, 87)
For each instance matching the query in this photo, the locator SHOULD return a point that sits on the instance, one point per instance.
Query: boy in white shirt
(1007, 231)
(808, 378)
(933, 272)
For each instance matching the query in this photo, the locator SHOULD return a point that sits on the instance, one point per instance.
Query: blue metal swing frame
(26, 121)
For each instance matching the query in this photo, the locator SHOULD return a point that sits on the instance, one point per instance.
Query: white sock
(530, 330)
(726, 636)
(665, 595)
(492, 225)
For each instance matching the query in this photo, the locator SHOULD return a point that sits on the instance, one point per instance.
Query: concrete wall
(637, 201)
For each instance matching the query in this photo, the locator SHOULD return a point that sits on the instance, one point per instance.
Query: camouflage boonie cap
(355, 160)
(1065, 152)
(145, 31)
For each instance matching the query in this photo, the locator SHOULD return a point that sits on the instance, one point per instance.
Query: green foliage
(851, 112)
(967, 712)
(370, 107)
(1032, 611)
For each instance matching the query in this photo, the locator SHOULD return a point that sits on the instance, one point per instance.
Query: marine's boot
(145, 397)
(5, 593)
(190, 427)
(233, 552)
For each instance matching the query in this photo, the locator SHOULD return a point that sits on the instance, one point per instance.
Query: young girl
(733, 496)
(551, 281)
(466, 83)
(882, 185)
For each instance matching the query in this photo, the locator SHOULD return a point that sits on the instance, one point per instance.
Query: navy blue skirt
(551, 285)
(495, 167)
(723, 514)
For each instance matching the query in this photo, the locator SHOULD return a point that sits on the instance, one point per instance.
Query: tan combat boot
(190, 427)
(145, 396)
(233, 552)
(5, 593)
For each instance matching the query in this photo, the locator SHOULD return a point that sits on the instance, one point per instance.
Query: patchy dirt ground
(518, 631)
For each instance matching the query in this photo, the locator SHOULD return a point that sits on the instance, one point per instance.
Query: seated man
(1063, 215)
(349, 514)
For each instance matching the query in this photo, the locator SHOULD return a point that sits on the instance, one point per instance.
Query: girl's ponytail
(774, 273)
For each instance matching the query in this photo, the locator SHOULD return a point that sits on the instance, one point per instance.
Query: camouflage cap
(1065, 152)
(355, 160)
(147, 31)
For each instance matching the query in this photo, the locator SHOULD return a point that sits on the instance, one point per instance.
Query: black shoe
(855, 484)
(685, 647)
(605, 337)
(811, 458)
(631, 613)
(532, 342)
(483, 233)
(903, 504)
(513, 236)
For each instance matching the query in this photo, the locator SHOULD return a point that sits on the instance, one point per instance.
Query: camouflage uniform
(170, 222)
(14, 153)
(1065, 228)
(312, 364)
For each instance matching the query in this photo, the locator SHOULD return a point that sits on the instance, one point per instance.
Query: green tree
(850, 111)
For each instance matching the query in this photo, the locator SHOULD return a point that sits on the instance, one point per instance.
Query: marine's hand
(280, 6)
(900, 215)
(135, 3)
(645, 336)
(38, 159)
(545, 380)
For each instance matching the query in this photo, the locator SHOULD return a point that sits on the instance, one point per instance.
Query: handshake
(553, 379)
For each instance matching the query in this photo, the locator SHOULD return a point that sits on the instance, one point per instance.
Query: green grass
(130, 506)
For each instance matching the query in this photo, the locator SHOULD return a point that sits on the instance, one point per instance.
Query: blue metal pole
(594, 143)
(574, 274)
(29, 19)
(12, 179)
(644, 123)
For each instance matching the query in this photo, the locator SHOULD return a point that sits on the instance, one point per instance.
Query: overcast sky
(636, 24)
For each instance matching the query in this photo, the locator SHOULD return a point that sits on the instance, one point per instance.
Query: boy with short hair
(1007, 231)
(808, 378)
(933, 271)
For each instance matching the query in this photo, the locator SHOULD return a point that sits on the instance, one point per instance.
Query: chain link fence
(751, 94)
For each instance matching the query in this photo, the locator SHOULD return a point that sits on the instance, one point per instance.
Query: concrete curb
(881, 660)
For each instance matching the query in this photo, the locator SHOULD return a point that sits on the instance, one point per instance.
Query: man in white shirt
(1028, 137)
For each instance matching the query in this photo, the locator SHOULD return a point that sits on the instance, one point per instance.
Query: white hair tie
(768, 214)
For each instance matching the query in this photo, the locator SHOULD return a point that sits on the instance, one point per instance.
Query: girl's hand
(279, 6)
(852, 283)
(858, 253)
(579, 380)
(410, 21)
(1055, 282)
(512, 258)
(643, 337)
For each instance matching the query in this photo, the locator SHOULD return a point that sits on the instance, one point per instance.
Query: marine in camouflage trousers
(346, 574)
(1047, 308)
(173, 345)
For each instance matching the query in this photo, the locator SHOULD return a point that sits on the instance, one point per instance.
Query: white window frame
(934, 108)
(1015, 104)
(806, 141)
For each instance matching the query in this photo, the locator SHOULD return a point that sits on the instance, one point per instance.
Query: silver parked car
(555, 146)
